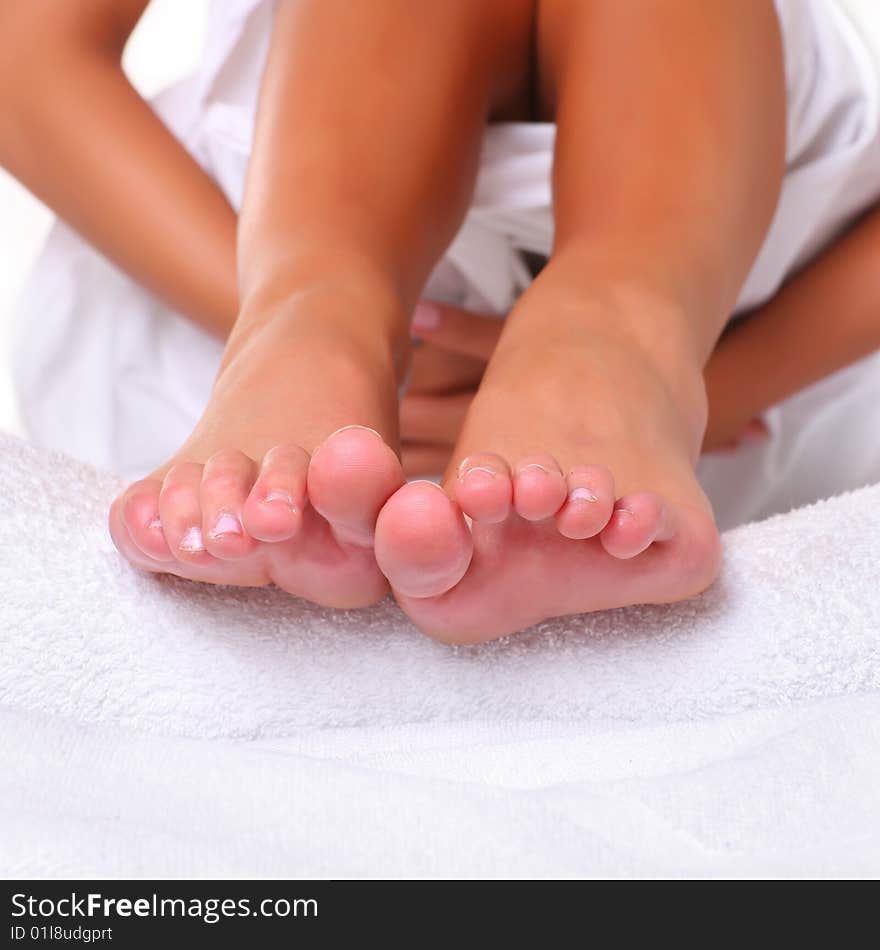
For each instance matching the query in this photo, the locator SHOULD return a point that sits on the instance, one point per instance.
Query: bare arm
(75, 132)
(825, 318)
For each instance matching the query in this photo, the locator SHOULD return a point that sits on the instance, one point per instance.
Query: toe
(274, 508)
(351, 476)
(588, 504)
(483, 488)
(122, 538)
(539, 488)
(181, 513)
(422, 543)
(227, 479)
(638, 520)
(139, 510)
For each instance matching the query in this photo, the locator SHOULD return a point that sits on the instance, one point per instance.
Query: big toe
(351, 476)
(422, 543)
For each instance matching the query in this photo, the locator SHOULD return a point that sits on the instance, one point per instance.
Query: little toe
(139, 511)
(181, 514)
(637, 521)
(122, 538)
(539, 488)
(274, 508)
(422, 542)
(351, 476)
(227, 479)
(588, 504)
(483, 488)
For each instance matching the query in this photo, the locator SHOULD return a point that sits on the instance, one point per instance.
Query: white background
(166, 45)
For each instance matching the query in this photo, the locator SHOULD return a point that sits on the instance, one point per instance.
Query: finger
(422, 461)
(434, 419)
(452, 328)
(756, 430)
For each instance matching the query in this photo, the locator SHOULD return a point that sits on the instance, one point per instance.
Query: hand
(446, 372)
(755, 430)
(732, 422)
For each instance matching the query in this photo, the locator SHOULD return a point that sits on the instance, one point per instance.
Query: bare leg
(576, 459)
(359, 178)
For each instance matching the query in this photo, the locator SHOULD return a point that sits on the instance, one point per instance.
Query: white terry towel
(154, 727)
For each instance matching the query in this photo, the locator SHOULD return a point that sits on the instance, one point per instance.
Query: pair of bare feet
(573, 489)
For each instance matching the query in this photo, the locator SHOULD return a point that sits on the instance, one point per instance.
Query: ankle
(362, 320)
(620, 327)
(628, 276)
(640, 308)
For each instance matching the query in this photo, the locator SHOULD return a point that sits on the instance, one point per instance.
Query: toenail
(465, 469)
(281, 496)
(537, 465)
(623, 515)
(583, 494)
(427, 481)
(479, 473)
(155, 523)
(362, 428)
(225, 525)
(192, 541)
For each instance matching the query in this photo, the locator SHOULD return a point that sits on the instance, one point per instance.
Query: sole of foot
(608, 513)
(273, 486)
(538, 545)
(302, 521)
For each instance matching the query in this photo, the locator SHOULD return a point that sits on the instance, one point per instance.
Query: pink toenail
(623, 515)
(191, 542)
(538, 466)
(155, 524)
(583, 494)
(225, 525)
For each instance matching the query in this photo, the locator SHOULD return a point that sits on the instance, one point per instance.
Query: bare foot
(577, 473)
(285, 474)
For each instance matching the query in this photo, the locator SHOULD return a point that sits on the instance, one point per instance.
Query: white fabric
(824, 440)
(107, 374)
(153, 727)
(864, 19)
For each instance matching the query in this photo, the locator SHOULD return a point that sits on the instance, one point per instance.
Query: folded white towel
(153, 726)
